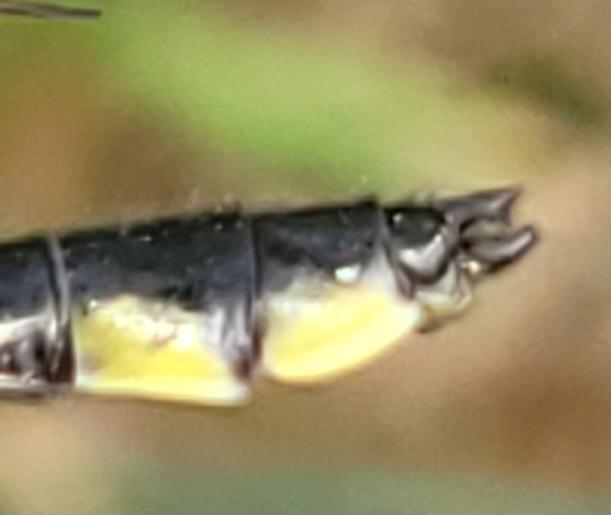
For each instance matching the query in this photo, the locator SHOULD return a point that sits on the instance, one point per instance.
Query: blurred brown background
(166, 107)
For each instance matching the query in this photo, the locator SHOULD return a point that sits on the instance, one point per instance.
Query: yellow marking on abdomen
(135, 347)
(313, 339)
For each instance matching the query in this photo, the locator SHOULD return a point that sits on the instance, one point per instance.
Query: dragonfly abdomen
(194, 309)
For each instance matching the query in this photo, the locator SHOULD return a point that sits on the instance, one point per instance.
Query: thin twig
(48, 11)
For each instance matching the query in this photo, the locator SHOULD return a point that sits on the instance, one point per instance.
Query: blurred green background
(174, 106)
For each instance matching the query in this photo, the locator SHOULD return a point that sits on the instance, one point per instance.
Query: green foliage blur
(261, 115)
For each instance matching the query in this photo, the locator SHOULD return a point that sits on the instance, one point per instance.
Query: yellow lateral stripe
(132, 346)
(319, 339)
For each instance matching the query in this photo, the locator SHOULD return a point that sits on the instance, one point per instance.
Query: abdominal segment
(329, 296)
(162, 311)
